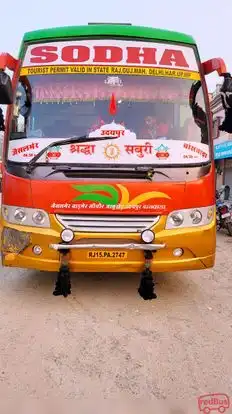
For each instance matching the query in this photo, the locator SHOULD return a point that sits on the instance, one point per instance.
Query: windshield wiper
(130, 172)
(151, 172)
(73, 140)
(59, 168)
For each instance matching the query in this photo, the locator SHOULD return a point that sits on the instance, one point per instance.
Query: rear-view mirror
(226, 98)
(218, 65)
(6, 90)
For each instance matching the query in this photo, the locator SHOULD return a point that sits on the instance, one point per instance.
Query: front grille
(106, 224)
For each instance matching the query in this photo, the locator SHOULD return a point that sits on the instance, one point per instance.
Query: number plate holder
(106, 254)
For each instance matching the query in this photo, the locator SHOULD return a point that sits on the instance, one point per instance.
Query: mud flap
(146, 287)
(63, 281)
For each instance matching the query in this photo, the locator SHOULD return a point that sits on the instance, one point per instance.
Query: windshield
(146, 106)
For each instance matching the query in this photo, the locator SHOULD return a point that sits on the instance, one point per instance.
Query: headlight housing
(192, 217)
(25, 216)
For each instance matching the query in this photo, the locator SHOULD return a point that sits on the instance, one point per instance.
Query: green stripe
(108, 30)
(91, 194)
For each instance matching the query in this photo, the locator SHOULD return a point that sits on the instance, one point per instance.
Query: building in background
(222, 142)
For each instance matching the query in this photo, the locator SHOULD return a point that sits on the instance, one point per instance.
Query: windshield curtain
(149, 114)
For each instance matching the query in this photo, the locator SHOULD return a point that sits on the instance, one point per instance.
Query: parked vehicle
(223, 216)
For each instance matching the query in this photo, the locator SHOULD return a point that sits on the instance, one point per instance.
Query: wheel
(206, 410)
(229, 228)
(221, 409)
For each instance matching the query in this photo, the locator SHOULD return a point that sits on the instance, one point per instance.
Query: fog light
(67, 235)
(178, 252)
(147, 236)
(37, 250)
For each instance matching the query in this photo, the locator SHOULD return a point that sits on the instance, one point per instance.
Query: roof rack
(121, 24)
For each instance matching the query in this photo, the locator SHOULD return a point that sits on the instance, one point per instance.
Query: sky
(208, 21)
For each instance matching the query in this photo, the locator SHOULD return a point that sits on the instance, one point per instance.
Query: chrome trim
(125, 246)
(106, 224)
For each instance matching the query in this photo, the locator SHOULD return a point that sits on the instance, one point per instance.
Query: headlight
(196, 216)
(25, 216)
(176, 219)
(190, 217)
(20, 215)
(39, 217)
(147, 236)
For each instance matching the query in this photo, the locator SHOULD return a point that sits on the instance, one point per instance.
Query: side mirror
(226, 98)
(218, 65)
(6, 90)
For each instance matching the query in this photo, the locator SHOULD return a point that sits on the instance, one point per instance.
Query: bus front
(108, 162)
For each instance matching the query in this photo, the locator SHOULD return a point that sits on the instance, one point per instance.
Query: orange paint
(42, 194)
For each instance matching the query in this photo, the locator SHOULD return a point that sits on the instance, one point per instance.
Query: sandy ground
(106, 349)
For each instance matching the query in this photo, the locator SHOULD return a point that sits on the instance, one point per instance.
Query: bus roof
(108, 30)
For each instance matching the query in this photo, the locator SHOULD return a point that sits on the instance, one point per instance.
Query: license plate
(225, 215)
(104, 254)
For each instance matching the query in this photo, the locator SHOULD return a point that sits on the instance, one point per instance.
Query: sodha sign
(111, 52)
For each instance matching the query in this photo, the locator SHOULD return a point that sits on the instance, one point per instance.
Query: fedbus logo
(213, 402)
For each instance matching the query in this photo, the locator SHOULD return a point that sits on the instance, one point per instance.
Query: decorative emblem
(162, 151)
(111, 152)
(53, 153)
(113, 81)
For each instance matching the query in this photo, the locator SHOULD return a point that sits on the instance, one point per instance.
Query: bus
(107, 161)
(1, 139)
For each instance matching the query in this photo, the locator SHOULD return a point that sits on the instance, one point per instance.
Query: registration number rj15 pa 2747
(106, 254)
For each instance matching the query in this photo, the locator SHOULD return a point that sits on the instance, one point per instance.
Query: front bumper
(198, 244)
(118, 246)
